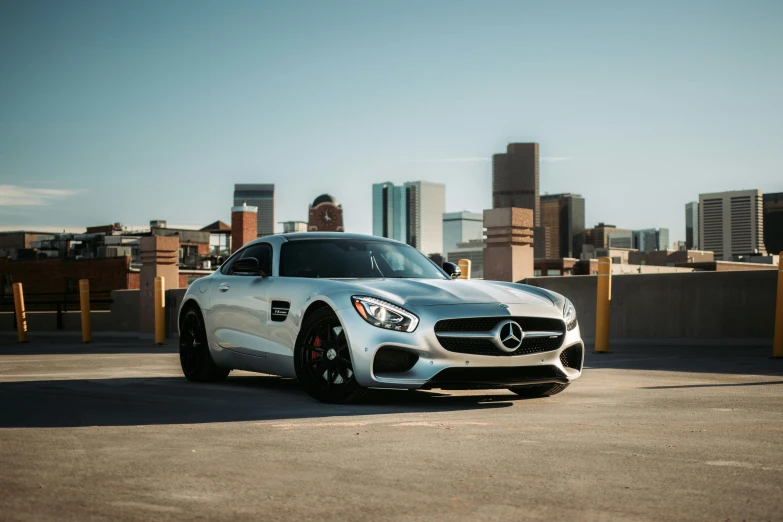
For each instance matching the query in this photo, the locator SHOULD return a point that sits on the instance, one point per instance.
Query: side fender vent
(280, 310)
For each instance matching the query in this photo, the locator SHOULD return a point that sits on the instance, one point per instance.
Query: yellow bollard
(21, 315)
(602, 305)
(464, 266)
(160, 311)
(777, 344)
(84, 301)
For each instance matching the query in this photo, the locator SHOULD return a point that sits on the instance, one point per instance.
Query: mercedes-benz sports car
(343, 313)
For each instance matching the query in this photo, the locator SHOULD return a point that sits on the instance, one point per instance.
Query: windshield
(354, 258)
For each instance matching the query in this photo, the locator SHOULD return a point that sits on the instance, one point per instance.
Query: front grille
(473, 346)
(484, 324)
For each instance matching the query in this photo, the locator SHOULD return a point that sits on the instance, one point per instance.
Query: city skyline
(100, 124)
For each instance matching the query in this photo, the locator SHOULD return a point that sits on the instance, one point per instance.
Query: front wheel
(194, 356)
(538, 390)
(323, 360)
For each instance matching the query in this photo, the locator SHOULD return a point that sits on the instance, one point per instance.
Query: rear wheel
(323, 360)
(194, 356)
(538, 390)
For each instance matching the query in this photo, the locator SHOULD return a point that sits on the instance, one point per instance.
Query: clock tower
(326, 215)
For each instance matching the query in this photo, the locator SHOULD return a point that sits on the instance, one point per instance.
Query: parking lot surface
(111, 430)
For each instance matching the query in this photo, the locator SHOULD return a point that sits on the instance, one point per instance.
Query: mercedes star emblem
(510, 336)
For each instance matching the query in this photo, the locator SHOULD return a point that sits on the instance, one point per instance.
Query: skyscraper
(261, 196)
(650, 239)
(564, 217)
(515, 179)
(461, 227)
(731, 223)
(692, 225)
(773, 222)
(619, 238)
(411, 213)
(598, 236)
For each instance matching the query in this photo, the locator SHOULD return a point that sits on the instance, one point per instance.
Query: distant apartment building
(289, 227)
(219, 241)
(619, 238)
(563, 215)
(261, 196)
(692, 225)
(651, 239)
(461, 227)
(19, 243)
(773, 222)
(598, 236)
(515, 179)
(411, 213)
(731, 223)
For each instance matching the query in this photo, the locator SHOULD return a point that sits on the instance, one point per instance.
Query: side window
(262, 252)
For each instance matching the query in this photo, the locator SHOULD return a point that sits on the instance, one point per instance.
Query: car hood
(434, 292)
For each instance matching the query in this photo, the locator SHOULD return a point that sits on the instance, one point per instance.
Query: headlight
(569, 315)
(384, 315)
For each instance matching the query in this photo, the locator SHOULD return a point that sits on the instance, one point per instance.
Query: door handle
(223, 287)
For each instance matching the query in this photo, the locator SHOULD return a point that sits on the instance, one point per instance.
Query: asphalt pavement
(112, 431)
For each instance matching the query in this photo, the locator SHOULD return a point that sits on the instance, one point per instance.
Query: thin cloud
(43, 229)
(16, 196)
(483, 159)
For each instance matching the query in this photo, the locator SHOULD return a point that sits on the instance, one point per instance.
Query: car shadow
(174, 400)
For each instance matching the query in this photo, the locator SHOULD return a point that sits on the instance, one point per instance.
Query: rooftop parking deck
(111, 430)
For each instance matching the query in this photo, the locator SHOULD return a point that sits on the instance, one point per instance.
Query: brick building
(12, 242)
(244, 224)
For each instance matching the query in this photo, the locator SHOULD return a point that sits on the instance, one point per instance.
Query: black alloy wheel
(194, 356)
(323, 360)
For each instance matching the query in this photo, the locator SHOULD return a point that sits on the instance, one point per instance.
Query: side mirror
(452, 269)
(246, 266)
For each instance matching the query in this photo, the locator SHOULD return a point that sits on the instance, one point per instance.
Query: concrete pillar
(244, 225)
(508, 255)
(159, 257)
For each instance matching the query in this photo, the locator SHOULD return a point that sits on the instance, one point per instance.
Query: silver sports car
(344, 313)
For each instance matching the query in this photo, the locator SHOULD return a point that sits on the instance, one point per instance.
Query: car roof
(303, 236)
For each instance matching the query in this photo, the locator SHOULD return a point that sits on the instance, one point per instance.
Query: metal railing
(59, 302)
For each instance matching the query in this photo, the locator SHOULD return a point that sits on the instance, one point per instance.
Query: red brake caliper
(313, 353)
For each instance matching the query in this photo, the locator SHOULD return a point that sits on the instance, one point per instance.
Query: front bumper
(437, 367)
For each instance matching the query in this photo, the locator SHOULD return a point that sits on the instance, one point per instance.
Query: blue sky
(131, 111)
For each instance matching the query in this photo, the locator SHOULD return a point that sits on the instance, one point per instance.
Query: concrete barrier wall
(699, 305)
(47, 321)
(125, 311)
(173, 302)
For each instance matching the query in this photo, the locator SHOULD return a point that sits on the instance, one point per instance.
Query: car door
(239, 308)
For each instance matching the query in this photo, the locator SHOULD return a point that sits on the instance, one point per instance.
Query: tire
(322, 360)
(194, 356)
(538, 390)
